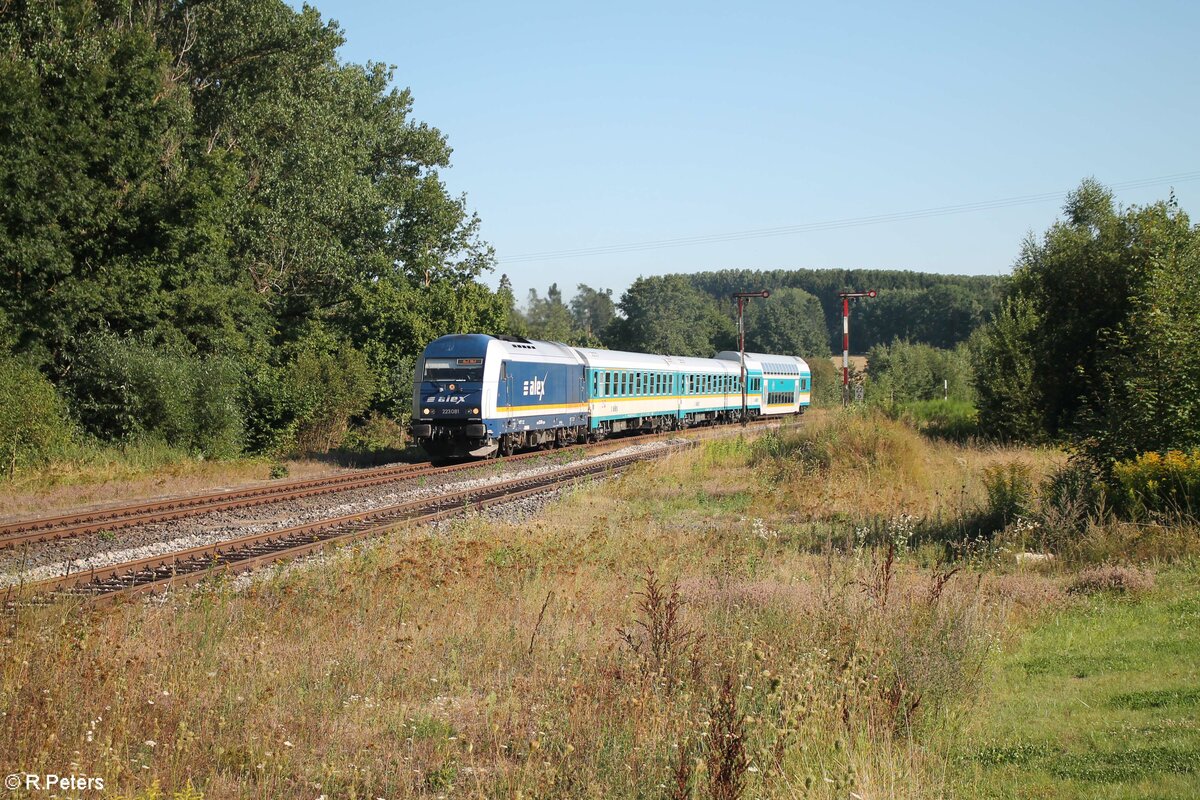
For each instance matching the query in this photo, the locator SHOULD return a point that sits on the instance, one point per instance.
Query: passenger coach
(479, 395)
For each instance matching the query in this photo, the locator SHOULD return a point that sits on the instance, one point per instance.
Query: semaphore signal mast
(846, 298)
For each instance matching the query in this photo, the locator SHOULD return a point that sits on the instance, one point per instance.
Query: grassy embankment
(800, 635)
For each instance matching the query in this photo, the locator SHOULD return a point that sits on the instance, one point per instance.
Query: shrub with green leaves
(306, 405)
(128, 388)
(33, 418)
(907, 372)
(1010, 494)
(1160, 484)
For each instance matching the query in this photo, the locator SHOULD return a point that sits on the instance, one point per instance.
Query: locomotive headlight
(474, 410)
(425, 411)
(452, 387)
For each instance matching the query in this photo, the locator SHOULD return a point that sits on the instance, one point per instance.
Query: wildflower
(150, 743)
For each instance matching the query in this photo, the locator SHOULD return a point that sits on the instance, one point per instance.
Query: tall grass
(489, 659)
(724, 623)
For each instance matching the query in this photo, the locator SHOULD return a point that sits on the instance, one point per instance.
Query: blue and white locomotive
(480, 395)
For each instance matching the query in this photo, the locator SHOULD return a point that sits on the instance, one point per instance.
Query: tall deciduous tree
(592, 310)
(790, 321)
(667, 315)
(1097, 341)
(209, 178)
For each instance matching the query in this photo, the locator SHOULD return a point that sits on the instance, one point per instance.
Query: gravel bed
(50, 559)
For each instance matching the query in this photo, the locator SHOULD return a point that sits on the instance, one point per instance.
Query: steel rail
(143, 576)
(65, 526)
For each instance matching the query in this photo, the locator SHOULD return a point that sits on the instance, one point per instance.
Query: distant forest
(694, 314)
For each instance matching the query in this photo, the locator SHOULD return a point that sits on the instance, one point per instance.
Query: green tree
(667, 315)
(1096, 342)
(592, 310)
(1145, 396)
(788, 322)
(211, 180)
(904, 372)
(549, 318)
(514, 320)
(1003, 356)
(33, 418)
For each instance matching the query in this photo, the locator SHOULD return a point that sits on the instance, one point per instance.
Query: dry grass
(487, 659)
(1112, 578)
(66, 487)
(866, 465)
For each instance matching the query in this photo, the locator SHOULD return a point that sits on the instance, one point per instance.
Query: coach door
(504, 389)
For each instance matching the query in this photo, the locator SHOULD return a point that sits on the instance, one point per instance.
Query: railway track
(46, 529)
(149, 575)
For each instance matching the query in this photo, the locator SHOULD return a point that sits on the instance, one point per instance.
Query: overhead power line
(827, 225)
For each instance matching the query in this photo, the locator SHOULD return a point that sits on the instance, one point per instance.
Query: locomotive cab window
(467, 370)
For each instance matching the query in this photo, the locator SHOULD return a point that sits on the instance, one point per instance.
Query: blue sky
(588, 126)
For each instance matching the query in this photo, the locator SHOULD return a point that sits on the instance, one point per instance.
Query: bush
(906, 372)
(826, 382)
(307, 404)
(33, 420)
(1070, 496)
(127, 388)
(1010, 495)
(326, 389)
(377, 434)
(858, 440)
(956, 420)
(1159, 484)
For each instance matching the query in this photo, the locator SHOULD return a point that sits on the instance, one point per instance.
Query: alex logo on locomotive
(535, 387)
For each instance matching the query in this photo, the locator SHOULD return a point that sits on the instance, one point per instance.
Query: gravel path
(44, 560)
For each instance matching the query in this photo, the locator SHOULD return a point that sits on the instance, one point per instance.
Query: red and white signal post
(846, 298)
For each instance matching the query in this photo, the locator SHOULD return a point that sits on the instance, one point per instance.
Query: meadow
(848, 609)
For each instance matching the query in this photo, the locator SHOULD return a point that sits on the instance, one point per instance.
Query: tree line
(695, 315)
(215, 231)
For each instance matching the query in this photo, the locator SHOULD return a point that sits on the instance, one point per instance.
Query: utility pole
(846, 297)
(742, 297)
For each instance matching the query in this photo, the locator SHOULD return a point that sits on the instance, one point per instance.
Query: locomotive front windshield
(464, 370)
